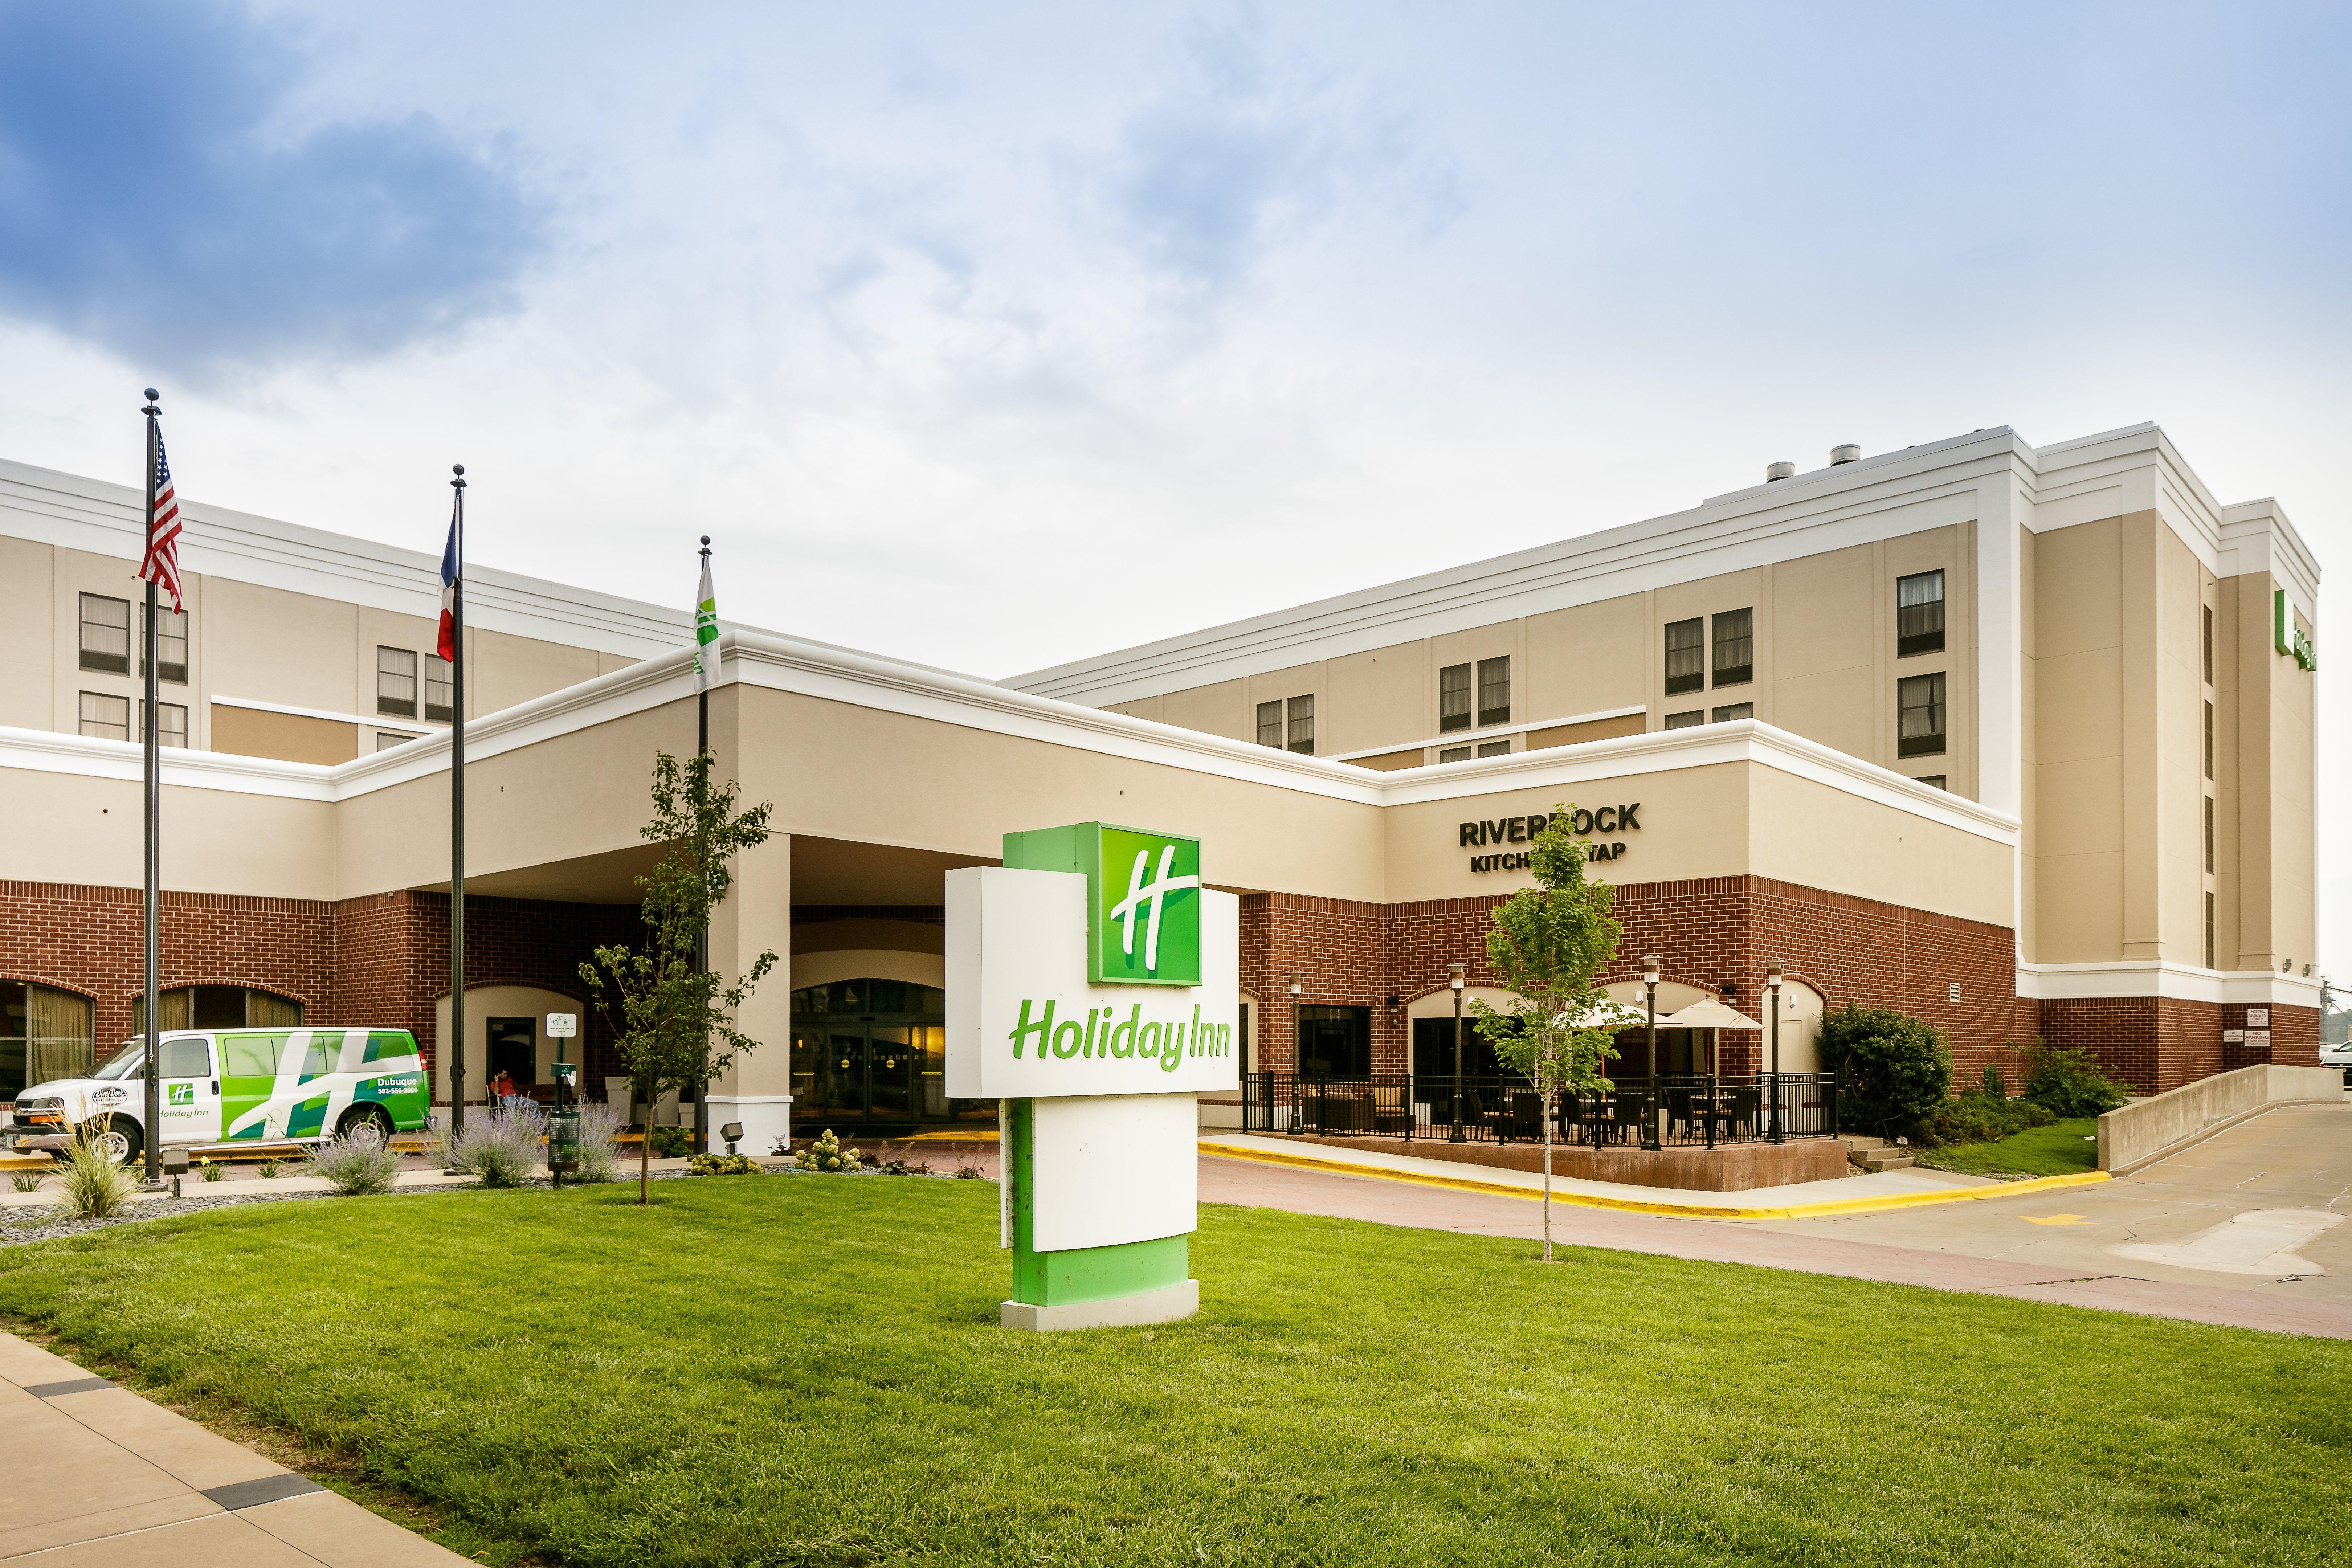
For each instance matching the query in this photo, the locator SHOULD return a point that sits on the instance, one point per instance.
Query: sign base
(1168, 1304)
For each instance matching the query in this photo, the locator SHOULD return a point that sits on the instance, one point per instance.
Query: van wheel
(360, 1116)
(117, 1139)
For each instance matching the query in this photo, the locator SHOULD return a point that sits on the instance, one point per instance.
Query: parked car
(222, 1087)
(2338, 1057)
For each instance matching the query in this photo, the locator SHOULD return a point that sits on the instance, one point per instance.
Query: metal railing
(1691, 1111)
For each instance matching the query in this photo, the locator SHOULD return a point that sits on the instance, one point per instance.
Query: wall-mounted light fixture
(1297, 983)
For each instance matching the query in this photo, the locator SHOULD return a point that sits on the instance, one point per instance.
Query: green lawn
(2059, 1149)
(808, 1371)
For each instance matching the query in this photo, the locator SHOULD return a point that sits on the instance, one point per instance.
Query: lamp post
(1298, 1106)
(1650, 991)
(1454, 979)
(1773, 989)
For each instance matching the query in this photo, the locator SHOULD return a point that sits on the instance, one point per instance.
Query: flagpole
(457, 1044)
(702, 941)
(152, 800)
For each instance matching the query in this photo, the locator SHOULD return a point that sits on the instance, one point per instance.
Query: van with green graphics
(223, 1087)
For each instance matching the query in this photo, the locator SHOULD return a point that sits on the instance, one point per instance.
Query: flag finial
(459, 482)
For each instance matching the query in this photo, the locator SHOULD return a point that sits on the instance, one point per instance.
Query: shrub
(501, 1148)
(2070, 1083)
(598, 1157)
(25, 1181)
(1893, 1071)
(1976, 1116)
(95, 1186)
(968, 1174)
(668, 1143)
(727, 1165)
(270, 1169)
(357, 1162)
(211, 1167)
(827, 1154)
(1994, 1084)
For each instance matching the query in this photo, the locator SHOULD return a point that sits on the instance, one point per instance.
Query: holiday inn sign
(1093, 987)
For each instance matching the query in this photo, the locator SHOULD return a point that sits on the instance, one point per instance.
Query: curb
(1673, 1211)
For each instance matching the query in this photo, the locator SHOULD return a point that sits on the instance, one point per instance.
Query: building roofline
(1882, 495)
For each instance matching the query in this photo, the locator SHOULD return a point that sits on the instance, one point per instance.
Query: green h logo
(1143, 897)
(182, 1093)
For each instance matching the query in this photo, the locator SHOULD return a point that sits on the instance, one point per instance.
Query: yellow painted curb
(1638, 1206)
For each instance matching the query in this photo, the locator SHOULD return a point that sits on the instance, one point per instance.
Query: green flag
(706, 628)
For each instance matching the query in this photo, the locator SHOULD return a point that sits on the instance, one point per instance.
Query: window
(2208, 740)
(1691, 720)
(395, 682)
(1494, 690)
(105, 718)
(1918, 614)
(1735, 647)
(1269, 724)
(1453, 698)
(1735, 710)
(2209, 931)
(1934, 780)
(106, 633)
(1335, 1042)
(1494, 748)
(186, 1058)
(173, 730)
(1302, 724)
(171, 647)
(1454, 754)
(2208, 644)
(437, 679)
(1919, 707)
(1685, 654)
(44, 1034)
(2208, 833)
(221, 1007)
(385, 740)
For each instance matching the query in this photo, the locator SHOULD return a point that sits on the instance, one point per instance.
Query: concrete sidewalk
(98, 1474)
(1849, 1195)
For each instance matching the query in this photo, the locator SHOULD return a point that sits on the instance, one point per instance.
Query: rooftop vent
(1844, 455)
(1779, 471)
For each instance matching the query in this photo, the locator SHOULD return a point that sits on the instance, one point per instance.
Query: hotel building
(2016, 739)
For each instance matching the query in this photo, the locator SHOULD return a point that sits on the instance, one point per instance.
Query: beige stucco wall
(2076, 672)
(75, 830)
(244, 640)
(1824, 664)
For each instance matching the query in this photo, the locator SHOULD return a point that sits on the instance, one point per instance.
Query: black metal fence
(1696, 1111)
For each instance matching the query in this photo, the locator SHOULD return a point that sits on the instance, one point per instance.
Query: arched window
(45, 1034)
(220, 1007)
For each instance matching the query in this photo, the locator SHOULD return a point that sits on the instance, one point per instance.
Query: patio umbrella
(1708, 1014)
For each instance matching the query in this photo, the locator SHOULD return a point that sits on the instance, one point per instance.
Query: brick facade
(1711, 933)
(91, 939)
(383, 960)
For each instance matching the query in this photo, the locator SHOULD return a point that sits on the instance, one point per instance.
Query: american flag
(162, 565)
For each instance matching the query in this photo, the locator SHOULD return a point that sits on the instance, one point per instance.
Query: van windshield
(128, 1062)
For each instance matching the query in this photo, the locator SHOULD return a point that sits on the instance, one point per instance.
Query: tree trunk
(1547, 1122)
(644, 1159)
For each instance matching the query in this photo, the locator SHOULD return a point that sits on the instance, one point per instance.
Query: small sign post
(563, 1126)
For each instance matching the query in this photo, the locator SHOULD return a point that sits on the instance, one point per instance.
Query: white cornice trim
(1880, 496)
(46, 752)
(2159, 977)
(381, 722)
(1487, 733)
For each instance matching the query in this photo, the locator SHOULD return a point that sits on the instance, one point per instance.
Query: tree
(1548, 943)
(672, 1021)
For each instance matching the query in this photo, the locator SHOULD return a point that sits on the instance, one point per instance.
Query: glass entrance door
(871, 1052)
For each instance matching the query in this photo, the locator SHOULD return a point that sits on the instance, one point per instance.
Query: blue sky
(996, 336)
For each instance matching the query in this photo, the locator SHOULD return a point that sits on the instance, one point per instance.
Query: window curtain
(264, 1011)
(60, 1034)
(179, 1011)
